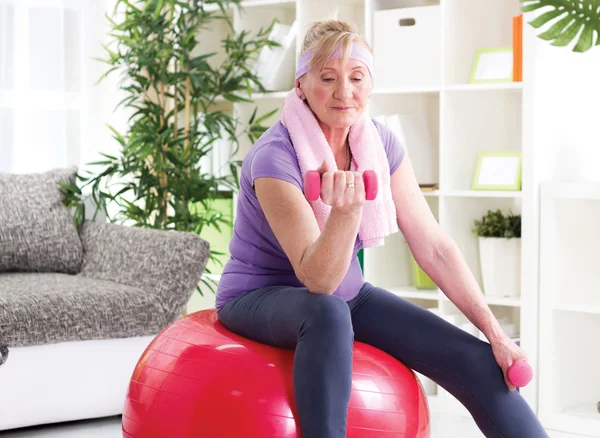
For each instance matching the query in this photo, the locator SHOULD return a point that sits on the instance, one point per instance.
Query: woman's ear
(299, 92)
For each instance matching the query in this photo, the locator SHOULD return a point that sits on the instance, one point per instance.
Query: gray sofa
(79, 306)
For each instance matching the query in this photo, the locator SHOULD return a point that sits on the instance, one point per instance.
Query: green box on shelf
(422, 280)
(218, 240)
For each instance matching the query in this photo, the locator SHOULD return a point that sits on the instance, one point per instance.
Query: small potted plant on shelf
(500, 253)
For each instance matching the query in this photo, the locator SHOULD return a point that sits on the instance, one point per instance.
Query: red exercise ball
(198, 379)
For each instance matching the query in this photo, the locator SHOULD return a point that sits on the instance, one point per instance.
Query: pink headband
(359, 52)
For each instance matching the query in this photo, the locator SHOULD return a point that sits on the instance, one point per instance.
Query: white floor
(442, 427)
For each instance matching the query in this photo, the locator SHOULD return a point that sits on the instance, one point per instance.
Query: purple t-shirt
(257, 259)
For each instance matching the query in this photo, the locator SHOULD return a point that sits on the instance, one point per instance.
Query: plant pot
(500, 266)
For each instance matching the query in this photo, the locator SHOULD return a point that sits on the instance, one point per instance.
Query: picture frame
(492, 65)
(497, 171)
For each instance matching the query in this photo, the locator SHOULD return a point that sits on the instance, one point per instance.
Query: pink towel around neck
(310, 144)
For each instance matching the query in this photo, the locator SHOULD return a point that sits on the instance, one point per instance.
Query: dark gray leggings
(293, 318)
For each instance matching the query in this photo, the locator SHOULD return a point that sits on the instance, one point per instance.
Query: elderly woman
(294, 281)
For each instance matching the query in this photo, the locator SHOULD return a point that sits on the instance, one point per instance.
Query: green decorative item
(496, 224)
(422, 280)
(492, 65)
(571, 18)
(218, 213)
(180, 104)
(498, 171)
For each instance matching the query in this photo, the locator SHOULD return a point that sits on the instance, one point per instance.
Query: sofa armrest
(168, 264)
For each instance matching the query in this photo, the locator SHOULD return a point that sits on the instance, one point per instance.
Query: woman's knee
(329, 314)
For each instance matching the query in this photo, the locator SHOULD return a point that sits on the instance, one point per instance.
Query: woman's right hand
(335, 191)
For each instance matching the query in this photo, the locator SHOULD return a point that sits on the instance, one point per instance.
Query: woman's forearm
(448, 269)
(326, 262)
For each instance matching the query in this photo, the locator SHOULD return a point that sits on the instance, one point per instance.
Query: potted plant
(500, 253)
(175, 94)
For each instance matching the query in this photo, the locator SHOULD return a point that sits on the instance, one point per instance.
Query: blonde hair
(328, 37)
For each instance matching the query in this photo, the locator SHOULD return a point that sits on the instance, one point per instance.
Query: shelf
(581, 419)
(406, 90)
(481, 193)
(586, 411)
(258, 3)
(498, 86)
(412, 292)
(505, 302)
(270, 95)
(578, 308)
(570, 190)
(259, 96)
(253, 4)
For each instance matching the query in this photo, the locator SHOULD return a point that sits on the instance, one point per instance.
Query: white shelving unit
(463, 120)
(569, 389)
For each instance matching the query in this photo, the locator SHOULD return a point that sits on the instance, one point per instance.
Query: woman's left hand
(506, 353)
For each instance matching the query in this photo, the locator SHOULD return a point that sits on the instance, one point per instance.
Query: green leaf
(496, 224)
(105, 74)
(159, 5)
(235, 98)
(266, 116)
(546, 17)
(568, 34)
(571, 18)
(117, 136)
(556, 29)
(99, 163)
(110, 157)
(129, 5)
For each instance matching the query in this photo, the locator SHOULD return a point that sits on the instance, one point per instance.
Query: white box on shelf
(407, 47)
(500, 260)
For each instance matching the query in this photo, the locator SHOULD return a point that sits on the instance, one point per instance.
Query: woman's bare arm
(320, 260)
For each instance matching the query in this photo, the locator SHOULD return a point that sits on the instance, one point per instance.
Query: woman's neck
(337, 138)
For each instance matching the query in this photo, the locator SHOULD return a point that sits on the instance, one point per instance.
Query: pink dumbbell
(312, 185)
(520, 373)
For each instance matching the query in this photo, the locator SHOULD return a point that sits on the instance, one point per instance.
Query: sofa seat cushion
(41, 308)
(37, 233)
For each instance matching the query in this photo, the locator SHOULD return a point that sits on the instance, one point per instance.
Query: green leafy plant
(178, 99)
(571, 17)
(496, 224)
